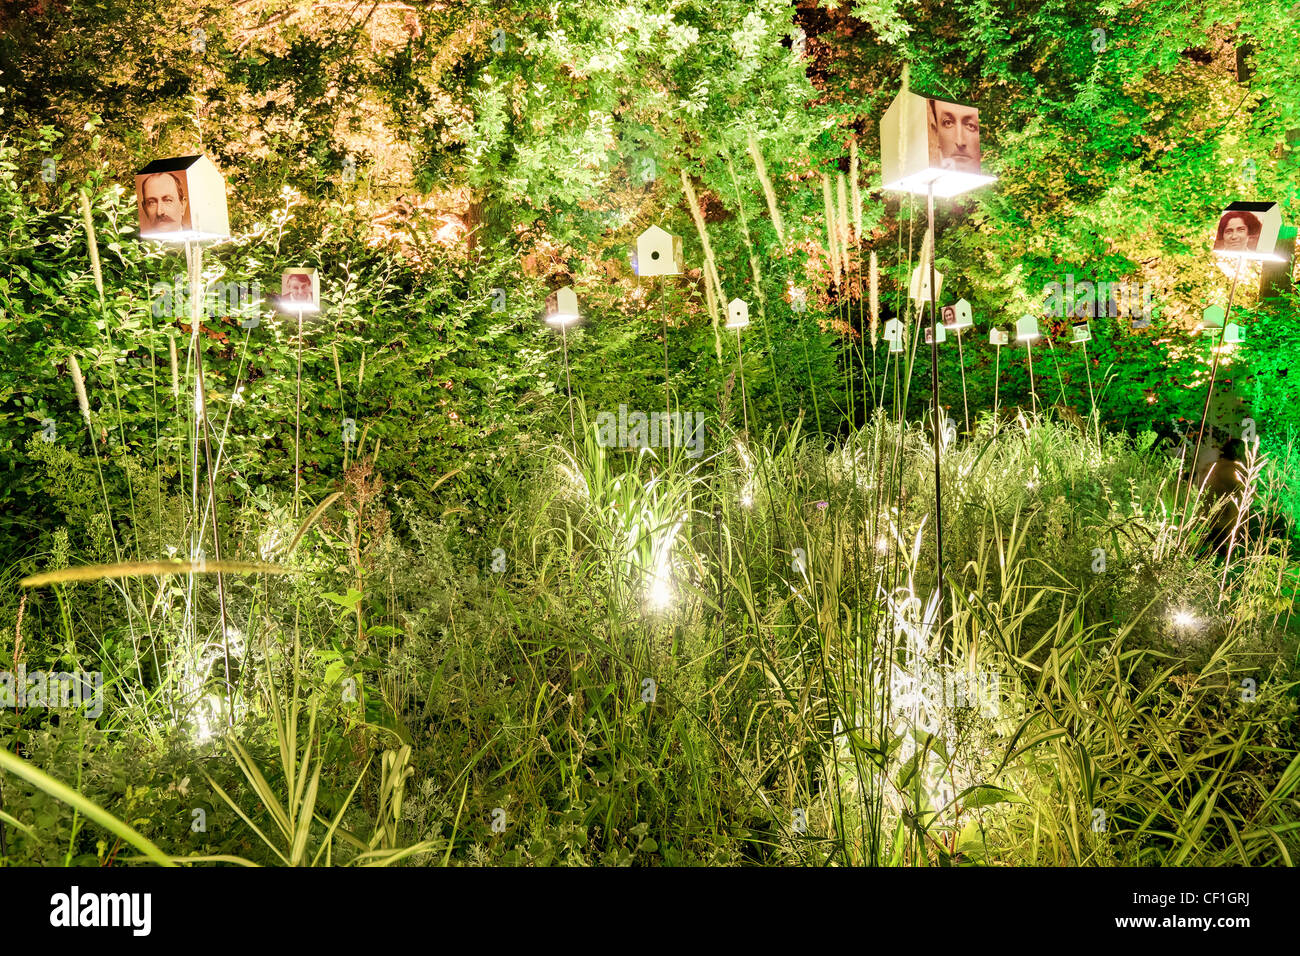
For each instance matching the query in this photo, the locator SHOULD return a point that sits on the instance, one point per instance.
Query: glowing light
(882, 544)
(269, 542)
(207, 719)
(1184, 619)
(659, 593)
(562, 307)
(576, 482)
(746, 490)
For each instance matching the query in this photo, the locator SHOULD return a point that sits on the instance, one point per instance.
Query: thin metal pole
(744, 402)
(196, 316)
(1056, 364)
(961, 361)
(568, 381)
(1091, 395)
(297, 424)
(1033, 395)
(1214, 371)
(934, 394)
(668, 398)
(997, 375)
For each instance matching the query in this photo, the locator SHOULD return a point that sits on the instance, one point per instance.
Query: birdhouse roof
(908, 91)
(654, 233)
(944, 99)
(1251, 207)
(174, 164)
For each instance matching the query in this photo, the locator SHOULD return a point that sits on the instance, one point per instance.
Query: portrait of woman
(1238, 231)
(299, 290)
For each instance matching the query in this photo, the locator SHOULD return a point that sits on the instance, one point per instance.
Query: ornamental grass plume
(845, 236)
(856, 190)
(769, 193)
(828, 209)
(93, 244)
(79, 383)
(874, 296)
(175, 366)
(927, 242)
(710, 267)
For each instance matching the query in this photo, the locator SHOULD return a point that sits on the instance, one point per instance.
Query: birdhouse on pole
(562, 307)
(928, 143)
(182, 199)
(737, 314)
(658, 253)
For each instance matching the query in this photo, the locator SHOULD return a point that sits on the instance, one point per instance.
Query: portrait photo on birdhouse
(1238, 231)
(1250, 230)
(163, 203)
(954, 136)
(299, 290)
(181, 199)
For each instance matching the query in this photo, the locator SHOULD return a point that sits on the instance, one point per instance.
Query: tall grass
(733, 658)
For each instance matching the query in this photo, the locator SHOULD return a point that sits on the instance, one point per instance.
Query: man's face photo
(297, 287)
(1238, 232)
(299, 291)
(956, 129)
(163, 207)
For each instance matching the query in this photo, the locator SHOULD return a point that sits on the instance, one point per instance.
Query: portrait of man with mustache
(164, 206)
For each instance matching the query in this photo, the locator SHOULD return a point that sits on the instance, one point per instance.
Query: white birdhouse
(1232, 334)
(737, 314)
(1249, 230)
(939, 331)
(182, 199)
(919, 288)
(958, 315)
(562, 307)
(997, 336)
(929, 143)
(894, 335)
(1082, 333)
(1026, 328)
(299, 290)
(658, 253)
(1212, 319)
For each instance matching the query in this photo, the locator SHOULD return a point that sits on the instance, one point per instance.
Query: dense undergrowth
(661, 659)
